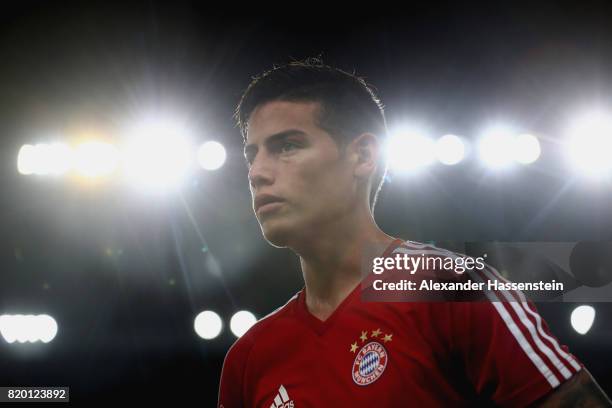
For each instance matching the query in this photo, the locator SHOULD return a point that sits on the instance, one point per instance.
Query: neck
(333, 257)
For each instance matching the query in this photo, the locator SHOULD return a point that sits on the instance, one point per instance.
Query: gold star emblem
(388, 337)
(354, 347)
(364, 336)
(376, 332)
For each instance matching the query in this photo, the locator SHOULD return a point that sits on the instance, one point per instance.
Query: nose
(260, 172)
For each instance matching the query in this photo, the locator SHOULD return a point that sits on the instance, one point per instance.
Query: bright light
(60, 158)
(8, 328)
(211, 155)
(409, 149)
(208, 325)
(26, 163)
(95, 159)
(497, 147)
(48, 327)
(28, 328)
(582, 318)
(157, 154)
(241, 322)
(450, 149)
(526, 149)
(590, 144)
(44, 159)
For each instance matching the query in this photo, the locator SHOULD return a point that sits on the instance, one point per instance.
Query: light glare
(450, 150)
(96, 159)
(26, 163)
(211, 155)
(44, 159)
(208, 325)
(582, 318)
(157, 155)
(496, 148)
(241, 322)
(589, 145)
(408, 150)
(28, 328)
(526, 149)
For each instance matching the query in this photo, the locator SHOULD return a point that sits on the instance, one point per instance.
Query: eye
(288, 146)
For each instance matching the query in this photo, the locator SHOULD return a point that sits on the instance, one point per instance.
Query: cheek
(323, 185)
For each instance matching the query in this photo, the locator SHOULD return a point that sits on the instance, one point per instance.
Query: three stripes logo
(281, 400)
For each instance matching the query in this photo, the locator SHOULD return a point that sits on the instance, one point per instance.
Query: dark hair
(348, 105)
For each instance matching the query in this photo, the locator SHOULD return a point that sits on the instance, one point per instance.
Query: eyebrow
(252, 148)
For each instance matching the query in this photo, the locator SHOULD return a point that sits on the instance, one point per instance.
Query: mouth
(269, 208)
(266, 203)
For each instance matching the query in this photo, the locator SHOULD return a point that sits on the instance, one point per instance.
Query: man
(313, 146)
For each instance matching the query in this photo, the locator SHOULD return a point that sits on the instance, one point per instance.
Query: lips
(263, 199)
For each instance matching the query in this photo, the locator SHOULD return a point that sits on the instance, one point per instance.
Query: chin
(276, 234)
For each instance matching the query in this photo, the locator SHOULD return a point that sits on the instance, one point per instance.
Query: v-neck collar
(321, 326)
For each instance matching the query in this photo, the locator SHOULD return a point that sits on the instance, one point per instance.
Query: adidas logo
(282, 399)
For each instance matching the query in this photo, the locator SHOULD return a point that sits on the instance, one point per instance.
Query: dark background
(125, 273)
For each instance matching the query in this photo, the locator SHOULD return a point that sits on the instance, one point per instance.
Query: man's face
(299, 179)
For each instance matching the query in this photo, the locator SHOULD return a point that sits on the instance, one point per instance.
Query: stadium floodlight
(48, 328)
(94, 159)
(497, 147)
(582, 318)
(450, 150)
(8, 328)
(26, 162)
(241, 322)
(211, 155)
(526, 148)
(409, 149)
(589, 144)
(28, 328)
(157, 154)
(208, 325)
(59, 159)
(44, 159)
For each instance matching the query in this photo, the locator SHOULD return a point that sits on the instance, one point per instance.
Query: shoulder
(283, 312)
(414, 247)
(262, 328)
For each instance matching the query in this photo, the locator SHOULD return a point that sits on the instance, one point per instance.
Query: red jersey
(380, 354)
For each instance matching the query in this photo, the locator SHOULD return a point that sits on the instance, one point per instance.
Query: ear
(366, 150)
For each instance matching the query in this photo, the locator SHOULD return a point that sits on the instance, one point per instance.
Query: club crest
(370, 362)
